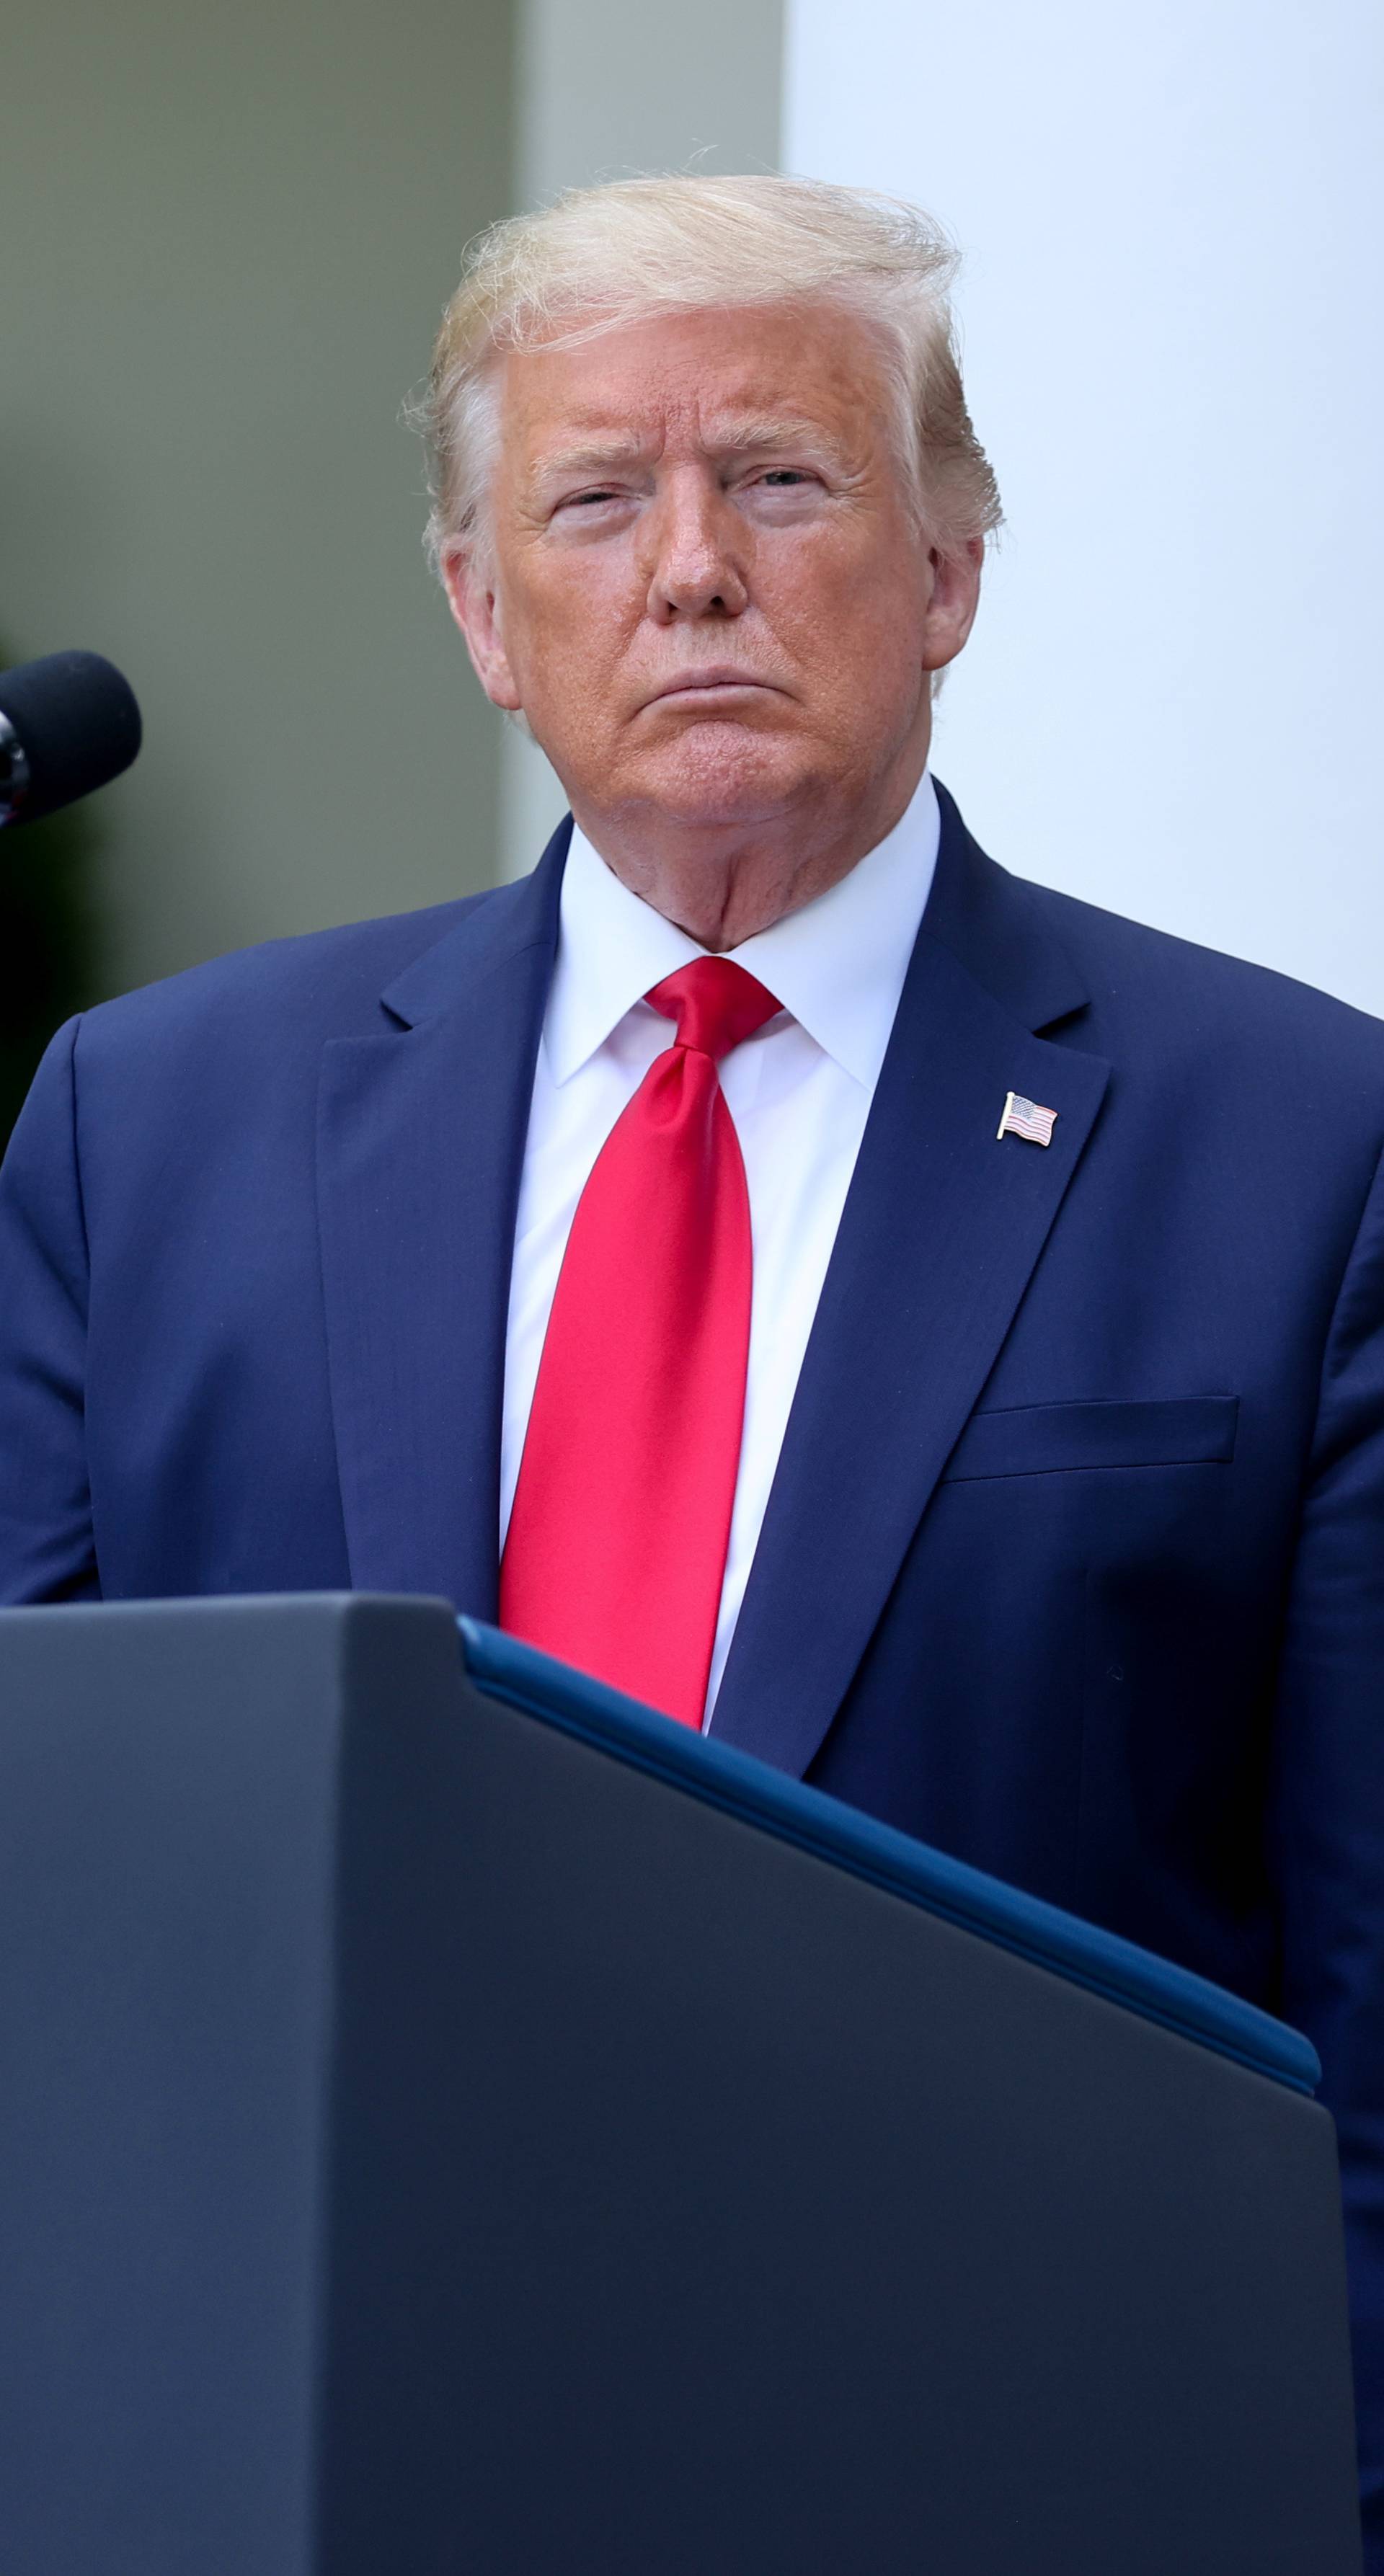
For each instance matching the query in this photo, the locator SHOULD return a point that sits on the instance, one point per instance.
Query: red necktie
(617, 1541)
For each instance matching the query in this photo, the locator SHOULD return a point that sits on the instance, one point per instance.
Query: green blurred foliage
(49, 940)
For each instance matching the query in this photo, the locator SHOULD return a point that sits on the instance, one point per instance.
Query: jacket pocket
(1055, 1439)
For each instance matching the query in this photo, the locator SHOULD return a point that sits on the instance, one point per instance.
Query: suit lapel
(940, 1233)
(420, 1146)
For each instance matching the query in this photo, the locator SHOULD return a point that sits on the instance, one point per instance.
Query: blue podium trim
(721, 1776)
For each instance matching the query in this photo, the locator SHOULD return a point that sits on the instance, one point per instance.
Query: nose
(695, 543)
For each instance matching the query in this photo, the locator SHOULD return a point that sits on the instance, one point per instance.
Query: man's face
(707, 591)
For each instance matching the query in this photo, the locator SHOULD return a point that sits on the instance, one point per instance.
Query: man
(969, 1397)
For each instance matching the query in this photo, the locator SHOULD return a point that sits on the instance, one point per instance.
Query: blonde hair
(601, 257)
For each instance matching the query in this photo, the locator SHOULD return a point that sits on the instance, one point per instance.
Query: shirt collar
(837, 966)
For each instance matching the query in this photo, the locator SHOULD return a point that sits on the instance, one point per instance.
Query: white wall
(1172, 316)
(608, 88)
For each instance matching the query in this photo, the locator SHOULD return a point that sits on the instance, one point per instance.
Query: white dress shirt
(799, 1092)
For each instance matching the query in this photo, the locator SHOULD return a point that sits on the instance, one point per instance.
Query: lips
(717, 676)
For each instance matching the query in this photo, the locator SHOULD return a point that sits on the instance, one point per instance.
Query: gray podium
(456, 2124)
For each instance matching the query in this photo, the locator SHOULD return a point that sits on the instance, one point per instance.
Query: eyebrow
(751, 437)
(588, 458)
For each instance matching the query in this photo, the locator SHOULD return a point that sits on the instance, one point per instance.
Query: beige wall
(608, 87)
(228, 234)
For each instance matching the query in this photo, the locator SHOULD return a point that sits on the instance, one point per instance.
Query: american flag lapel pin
(1025, 1118)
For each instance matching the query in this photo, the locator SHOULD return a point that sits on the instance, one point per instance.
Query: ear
(474, 606)
(952, 601)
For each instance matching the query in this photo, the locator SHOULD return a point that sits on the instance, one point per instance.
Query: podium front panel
(435, 2141)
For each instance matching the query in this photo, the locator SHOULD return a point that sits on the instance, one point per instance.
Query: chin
(724, 774)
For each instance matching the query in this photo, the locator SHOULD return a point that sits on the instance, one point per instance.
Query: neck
(722, 882)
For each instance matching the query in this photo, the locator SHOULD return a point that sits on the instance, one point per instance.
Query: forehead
(705, 378)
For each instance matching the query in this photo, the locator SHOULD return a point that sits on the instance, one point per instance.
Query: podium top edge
(503, 1668)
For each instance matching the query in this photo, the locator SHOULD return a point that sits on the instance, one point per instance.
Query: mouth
(711, 685)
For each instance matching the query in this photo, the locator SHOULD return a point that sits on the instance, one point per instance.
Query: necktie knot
(715, 1003)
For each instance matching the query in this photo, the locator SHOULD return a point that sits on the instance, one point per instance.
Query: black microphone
(67, 724)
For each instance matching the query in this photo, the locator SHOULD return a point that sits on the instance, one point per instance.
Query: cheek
(852, 636)
(570, 619)
(838, 597)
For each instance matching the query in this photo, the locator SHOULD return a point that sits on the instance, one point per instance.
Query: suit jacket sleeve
(1327, 1808)
(47, 1548)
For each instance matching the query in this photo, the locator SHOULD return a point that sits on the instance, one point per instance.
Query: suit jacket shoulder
(1200, 999)
(322, 983)
(1210, 1047)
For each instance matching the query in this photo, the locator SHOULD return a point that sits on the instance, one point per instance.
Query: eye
(781, 478)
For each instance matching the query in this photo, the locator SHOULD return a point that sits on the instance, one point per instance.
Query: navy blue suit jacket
(1074, 1562)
